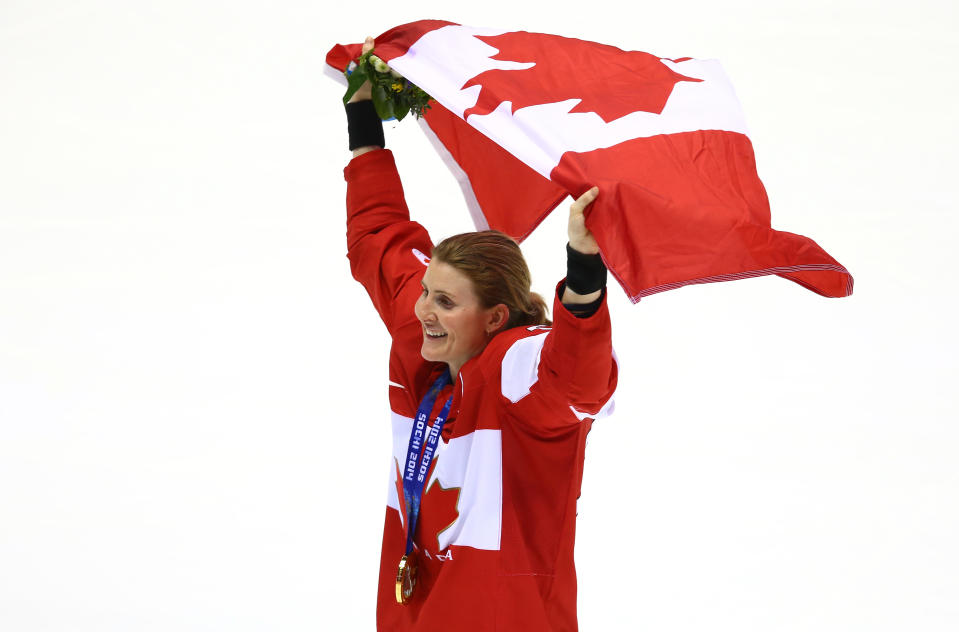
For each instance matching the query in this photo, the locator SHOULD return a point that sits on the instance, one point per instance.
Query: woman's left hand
(580, 238)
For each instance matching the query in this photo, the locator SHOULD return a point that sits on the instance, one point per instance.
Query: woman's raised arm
(364, 93)
(586, 272)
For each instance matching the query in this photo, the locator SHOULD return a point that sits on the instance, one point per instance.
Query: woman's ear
(498, 317)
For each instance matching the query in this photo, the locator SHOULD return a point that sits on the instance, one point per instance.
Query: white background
(193, 419)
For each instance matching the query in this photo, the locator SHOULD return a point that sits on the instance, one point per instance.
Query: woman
(490, 407)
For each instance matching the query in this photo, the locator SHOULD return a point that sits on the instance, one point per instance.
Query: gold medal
(405, 579)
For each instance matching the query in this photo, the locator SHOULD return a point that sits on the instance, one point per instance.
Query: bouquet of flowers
(394, 96)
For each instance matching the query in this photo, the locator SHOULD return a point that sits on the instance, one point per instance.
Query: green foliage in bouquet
(393, 95)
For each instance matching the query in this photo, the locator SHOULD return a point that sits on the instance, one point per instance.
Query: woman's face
(456, 326)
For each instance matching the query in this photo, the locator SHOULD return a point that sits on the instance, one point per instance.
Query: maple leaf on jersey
(400, 496)
(439, 512)
(617, 83)
(438, 509)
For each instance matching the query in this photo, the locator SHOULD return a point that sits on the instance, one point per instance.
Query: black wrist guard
(364, 126)
(585, 274)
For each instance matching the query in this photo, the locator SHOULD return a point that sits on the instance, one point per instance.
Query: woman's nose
(421, 309)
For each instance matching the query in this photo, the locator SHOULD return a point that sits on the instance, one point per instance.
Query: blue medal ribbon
(418, 457)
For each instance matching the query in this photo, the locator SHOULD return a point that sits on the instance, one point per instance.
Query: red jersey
(494, 539)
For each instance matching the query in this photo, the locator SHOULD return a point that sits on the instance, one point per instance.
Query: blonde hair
(494, 263)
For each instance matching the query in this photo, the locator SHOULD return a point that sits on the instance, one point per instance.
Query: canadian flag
(525, 119)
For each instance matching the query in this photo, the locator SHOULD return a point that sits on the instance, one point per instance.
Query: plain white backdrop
(193, 419)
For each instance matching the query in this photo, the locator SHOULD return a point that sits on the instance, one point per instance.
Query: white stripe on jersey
(520, 368)
(474, 464)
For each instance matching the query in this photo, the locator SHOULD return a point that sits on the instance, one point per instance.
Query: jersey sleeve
(557, 379)
(388, 252)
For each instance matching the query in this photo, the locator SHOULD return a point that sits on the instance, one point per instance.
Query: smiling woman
(456, 325)
(490, 407)
(476, 285)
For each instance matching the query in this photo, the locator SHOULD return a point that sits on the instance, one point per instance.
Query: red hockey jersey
(497, 521)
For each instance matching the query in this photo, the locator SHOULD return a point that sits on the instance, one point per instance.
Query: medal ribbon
(418, 457)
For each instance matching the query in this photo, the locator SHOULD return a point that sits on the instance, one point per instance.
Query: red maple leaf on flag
(609, 81)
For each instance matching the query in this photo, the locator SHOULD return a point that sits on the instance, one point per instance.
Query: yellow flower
(397, 87)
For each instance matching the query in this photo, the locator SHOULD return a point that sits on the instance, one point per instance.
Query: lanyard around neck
(419, 457)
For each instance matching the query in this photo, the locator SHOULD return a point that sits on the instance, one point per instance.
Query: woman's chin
(431, 352)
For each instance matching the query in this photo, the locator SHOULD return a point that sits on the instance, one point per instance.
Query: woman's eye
(445, 302)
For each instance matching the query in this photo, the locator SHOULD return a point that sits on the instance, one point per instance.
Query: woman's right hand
(365, 92)
(580, 239)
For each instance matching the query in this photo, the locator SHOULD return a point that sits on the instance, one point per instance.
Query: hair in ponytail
(494, 263)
